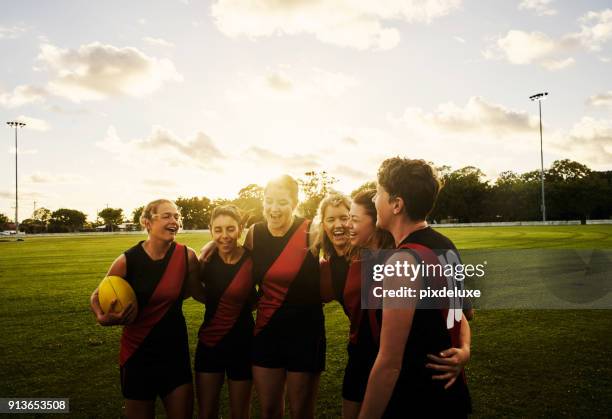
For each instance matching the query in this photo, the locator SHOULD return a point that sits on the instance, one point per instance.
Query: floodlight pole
(16, 125)
(539, 97)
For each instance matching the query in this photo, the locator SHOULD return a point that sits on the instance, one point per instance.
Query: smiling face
(225, 233)
(335, 225)
(278, 207)
(165, 222)
(361, 226)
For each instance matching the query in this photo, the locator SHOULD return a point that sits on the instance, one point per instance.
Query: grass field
(528, 363)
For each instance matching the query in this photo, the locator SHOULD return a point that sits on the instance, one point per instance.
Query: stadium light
(539, 97)
(16, 124)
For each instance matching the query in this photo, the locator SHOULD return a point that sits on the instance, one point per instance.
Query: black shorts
(357, 372)
(143, 379)
(232, 358)
(294, 339)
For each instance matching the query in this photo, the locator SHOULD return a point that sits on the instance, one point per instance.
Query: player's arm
(451, 361)
(396, 325)
(194, 286)
(125, 316)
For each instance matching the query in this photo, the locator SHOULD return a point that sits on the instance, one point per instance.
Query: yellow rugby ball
(115, 288)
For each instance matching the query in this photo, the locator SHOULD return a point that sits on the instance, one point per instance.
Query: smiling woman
(154, 354)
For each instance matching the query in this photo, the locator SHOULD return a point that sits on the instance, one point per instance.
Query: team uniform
(225, 337)
(154, 355)
(433, 330)
(341, 280)
(290, 327)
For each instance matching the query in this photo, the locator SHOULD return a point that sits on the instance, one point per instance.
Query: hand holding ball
(115, 294)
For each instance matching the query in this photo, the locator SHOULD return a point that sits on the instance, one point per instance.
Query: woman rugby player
(154, 355)
(289, 335)
(345, 277)
(407, 379)
(225, 337)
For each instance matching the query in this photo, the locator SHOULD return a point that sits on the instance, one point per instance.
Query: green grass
(524, 362)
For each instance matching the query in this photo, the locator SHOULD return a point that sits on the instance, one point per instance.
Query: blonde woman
(154, 354)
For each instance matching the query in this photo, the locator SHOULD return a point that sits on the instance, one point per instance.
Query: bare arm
(125, 316)
(396, 325)
(194, 286)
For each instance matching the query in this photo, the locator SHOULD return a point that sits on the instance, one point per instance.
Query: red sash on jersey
(352, 302)
(230, 306)
(168, 290)
(278, 279)
(430, 258)
(326, 288)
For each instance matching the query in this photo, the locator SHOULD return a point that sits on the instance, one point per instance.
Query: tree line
(573, 191)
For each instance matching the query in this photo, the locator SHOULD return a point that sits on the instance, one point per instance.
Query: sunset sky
(129, 101)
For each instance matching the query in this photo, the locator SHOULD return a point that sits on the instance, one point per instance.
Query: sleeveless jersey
(168, 334)
(230, 297)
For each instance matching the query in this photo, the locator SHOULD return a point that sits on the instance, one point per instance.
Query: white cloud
(23, 151)
(553, 65)
(539, 7)
(601, 100)
(159, 42)
(459, 39)
(164, 148)
(264, 157)
(589, 140)
(96, 71)
(59, 178)
(33, 123)
(477, 116)
(288, 83)
(351, 172)
(596, 29)
(520, 47)
(359, 24)
(12, 32)
(23, 95)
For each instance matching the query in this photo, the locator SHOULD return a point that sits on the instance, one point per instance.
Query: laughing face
(165, 223)
(278, 207)
(361, 226)
(335, 225)
(225, 233)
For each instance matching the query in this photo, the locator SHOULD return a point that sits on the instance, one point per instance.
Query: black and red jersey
(342, 279)
(230, 297)
(431, 332)
(286, 271)
(159, 331)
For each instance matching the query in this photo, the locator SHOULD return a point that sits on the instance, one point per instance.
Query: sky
(126, 102)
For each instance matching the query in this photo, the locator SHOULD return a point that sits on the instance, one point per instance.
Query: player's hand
(125, 316)
(449, 363)
(207, 251)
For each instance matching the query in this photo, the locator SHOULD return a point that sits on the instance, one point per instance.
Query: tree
(42, 214)
(250, 201)
(195, 212)
(136, 216)
(315, 187)
(32, 226)
(4, 220)
(463, 196)
(66, 220)
(112, 217)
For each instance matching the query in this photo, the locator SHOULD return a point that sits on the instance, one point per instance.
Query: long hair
(381, 239)
(320, 240)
